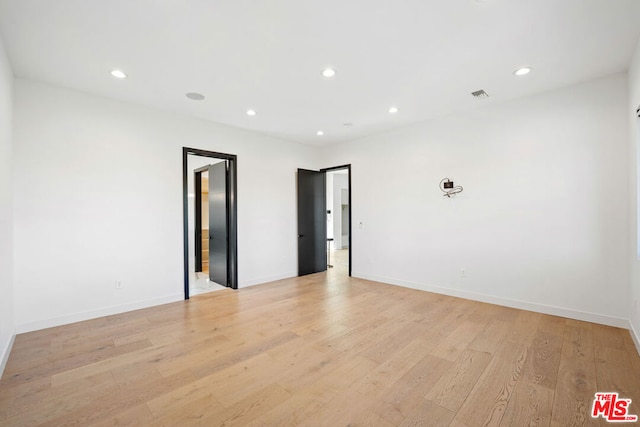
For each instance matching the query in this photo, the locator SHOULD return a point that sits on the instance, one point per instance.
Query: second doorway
(324, 220)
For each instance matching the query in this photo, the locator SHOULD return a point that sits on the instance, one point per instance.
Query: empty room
(340, 213)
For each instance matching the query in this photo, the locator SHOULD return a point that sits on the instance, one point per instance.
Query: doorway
(210, 219)
(211, 222)
(323, 198)
(338, 220)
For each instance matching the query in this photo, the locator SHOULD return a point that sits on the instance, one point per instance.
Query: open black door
(312, 222)
(197, 194)
(218, 223)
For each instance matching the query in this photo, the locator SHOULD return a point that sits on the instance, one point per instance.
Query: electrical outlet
(118, 284)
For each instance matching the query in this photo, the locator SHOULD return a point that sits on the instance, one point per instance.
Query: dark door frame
(232, 197)
(348, 168)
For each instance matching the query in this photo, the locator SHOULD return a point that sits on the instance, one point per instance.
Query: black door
(312, 222)
(197, 209)
(218, 223)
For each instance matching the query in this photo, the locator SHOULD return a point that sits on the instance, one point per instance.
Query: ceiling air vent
(480, 94)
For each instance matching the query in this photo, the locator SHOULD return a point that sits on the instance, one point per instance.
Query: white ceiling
(423, 56)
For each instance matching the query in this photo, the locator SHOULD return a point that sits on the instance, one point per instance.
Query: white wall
(634, 241)
(91, 172)
(6, 209)
(543, 219)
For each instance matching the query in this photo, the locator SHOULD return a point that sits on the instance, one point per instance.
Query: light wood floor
(318, 350)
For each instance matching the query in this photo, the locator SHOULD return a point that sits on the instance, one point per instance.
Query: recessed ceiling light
(251, 112)
(393, 110)
(195, 96)
(347, 125)
(319, 133)
(522, 71)
(328, 72)
(119, 74)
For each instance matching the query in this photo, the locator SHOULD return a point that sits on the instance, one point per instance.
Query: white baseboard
(618, 322)
(92, 314)
(4, 355)
(267, 279)
(634, 336)
(108, 311)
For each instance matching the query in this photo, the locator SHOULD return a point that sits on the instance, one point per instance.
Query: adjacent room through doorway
(207, 205)
(210, 247)
(338, 220)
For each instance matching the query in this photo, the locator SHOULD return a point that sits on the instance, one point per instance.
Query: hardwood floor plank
(137, 353)
(370, 419)
(453, 387)
(457, 341)
(52, 402)
(376, 383)
(345, 407)
(308, 400)
(532, 399)
(428, 414)
(62, 363)
(243, 353)
(175, 401)
(397, 337)
(240, 380)
(304, 364)
(186, 412)
(530, 405)
(402, 397)
(488, 400)
(488, 341)
(576, 383)
(196, 353)
(246, 410)
(356, 339)
(114, 402)
(608, 336)
(138, 415)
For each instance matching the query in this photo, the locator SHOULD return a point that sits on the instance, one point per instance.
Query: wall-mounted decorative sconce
(448, 188)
